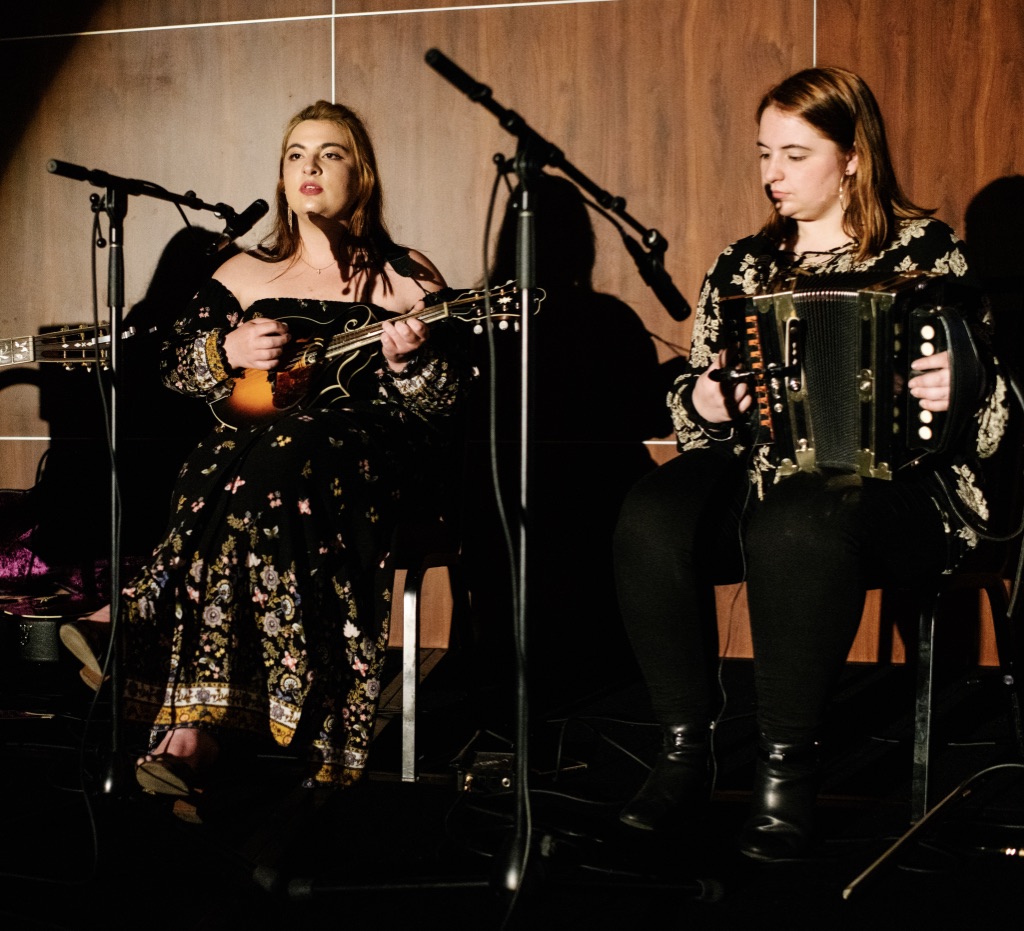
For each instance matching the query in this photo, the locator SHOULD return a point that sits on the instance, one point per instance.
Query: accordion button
(927, 332)
(925, 433)
(927, 349)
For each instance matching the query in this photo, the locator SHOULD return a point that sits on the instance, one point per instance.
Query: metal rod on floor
(963, 790)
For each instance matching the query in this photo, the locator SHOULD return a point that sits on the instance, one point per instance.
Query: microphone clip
(238, 224)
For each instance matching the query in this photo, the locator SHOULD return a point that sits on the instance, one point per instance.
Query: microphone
(657, 279)
(453, 73)
(239, 225)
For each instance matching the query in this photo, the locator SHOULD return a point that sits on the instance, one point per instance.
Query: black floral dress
(266, 606)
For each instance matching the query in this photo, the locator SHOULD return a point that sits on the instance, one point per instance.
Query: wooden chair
(421, 545)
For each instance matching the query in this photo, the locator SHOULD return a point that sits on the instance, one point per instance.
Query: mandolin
(259, 397)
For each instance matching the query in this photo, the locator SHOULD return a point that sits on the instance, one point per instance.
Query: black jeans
(808, 552)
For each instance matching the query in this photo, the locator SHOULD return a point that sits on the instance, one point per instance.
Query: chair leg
(413, 668)
(1006, 646)
(410, 669)
(919, 789)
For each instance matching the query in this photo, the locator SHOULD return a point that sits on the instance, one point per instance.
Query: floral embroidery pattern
(745, 267)
(268, 600)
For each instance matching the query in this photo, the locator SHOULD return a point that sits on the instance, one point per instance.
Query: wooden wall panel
(949, 76)
(51, 19)
(651, 99)
(632, 93)
(640, 95)
(179, 109)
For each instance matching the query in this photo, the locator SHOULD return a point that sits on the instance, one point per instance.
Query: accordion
(828, 358)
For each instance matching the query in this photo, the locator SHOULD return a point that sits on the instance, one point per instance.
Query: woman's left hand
(931, 385)
(399, 340)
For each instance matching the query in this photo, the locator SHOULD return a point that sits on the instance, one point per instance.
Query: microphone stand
(515, 858)
(115, 204)
(533, 153)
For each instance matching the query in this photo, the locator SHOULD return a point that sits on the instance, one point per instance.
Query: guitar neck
(77, 346)
(344, 342)
(17, 351)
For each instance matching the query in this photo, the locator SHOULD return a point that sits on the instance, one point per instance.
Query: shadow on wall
(28, 68)
(597, 394)
(995, 237)
(157, 427)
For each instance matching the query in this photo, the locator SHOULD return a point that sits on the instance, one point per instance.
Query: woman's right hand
(256, 344)
(720, 401)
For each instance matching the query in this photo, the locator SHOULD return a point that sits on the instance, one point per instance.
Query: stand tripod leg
(965, 789)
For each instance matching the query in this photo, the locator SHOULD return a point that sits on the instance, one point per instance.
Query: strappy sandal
(162, 774)
(82, 642)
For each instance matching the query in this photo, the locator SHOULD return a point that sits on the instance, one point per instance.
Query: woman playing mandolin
(265, 608)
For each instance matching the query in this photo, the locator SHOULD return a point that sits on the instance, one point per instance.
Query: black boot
(678, 785)
(781, 822)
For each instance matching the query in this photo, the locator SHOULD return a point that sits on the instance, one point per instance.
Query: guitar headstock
(500, 306)
(73, 346)
(69, 345)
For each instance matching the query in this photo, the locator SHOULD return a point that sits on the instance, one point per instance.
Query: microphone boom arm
(139, 188)
(548, 154)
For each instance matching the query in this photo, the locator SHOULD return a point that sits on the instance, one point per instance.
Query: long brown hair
(840, 105)
(367, 224)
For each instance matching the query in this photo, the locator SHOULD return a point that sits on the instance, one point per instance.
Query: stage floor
(442, 853)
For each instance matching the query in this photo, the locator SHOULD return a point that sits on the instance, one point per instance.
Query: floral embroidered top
(749, 266)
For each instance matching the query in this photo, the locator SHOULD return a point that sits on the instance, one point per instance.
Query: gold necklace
(317, 270)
